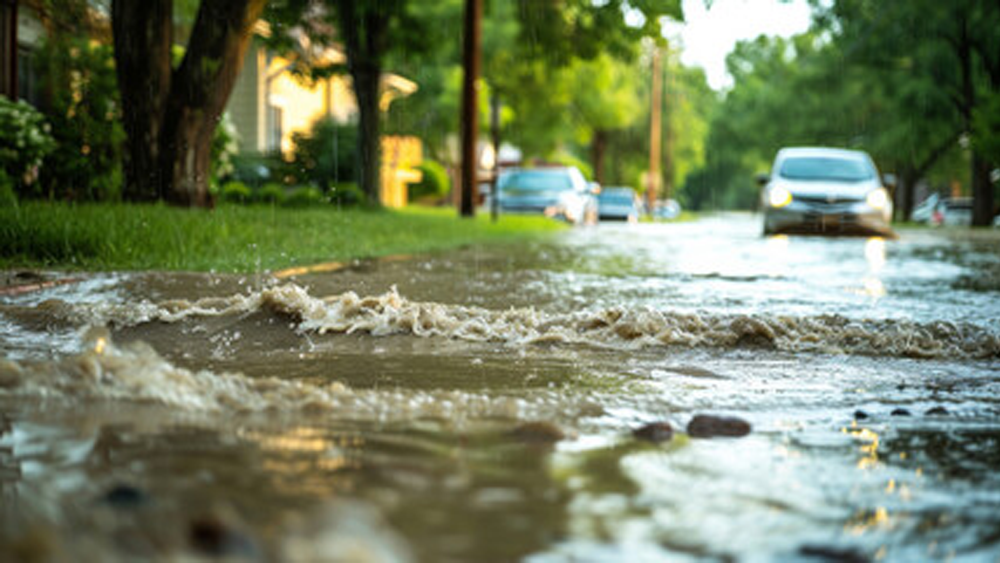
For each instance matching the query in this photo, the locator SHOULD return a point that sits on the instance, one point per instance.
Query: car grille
(827, 223)
(827, 200)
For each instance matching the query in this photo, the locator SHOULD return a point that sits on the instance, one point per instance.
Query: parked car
(668, 209)
(938, 211)
(618, 204)
(559, 192)
(825, 191)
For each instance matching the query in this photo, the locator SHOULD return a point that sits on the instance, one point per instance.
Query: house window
(275, 128)
(27, 76)
(8, 31)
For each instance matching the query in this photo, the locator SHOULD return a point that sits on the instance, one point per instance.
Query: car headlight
(779, 197)
(878, 199)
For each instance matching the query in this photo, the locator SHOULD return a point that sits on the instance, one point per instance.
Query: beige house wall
(266, 85)
(246, 104)
(268, 95)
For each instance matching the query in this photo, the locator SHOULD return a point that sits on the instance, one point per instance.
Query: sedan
(559, 192)
(618, 204)
(825, 191)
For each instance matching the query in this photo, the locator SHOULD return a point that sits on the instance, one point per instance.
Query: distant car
(825, 191)
(668, 209)
(938, 211)
(618, 204)
(559, 192)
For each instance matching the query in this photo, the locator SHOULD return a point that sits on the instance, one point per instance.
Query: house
(20, 31)
(269, 104)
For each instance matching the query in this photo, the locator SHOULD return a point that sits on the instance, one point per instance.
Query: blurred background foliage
(917, 84)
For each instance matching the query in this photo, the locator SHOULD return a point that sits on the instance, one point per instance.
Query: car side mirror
(889, 181)
(762, 179)
(593, 188)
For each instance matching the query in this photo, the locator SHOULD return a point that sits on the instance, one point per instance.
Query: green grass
(234, 238)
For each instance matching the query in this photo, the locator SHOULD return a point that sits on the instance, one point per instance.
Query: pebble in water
(900, 412)
(655, 432)
(213, 536)
(708, 426)
(937, 411)
(125, 496)
(860, 415)
(824, 553)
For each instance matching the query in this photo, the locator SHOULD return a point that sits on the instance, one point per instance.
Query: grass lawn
(234, 238)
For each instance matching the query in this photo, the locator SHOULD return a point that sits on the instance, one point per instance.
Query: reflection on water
(483, 409)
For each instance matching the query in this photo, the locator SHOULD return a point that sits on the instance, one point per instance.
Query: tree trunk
(364, 28)
(366, 88)
(187, 159)
(906, 188)
(171, 115)
(142, 40)
(982, 191)
(597, 148)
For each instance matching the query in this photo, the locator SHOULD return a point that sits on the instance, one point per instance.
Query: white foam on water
(391, 313)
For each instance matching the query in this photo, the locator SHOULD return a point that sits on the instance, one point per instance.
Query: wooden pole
(470, 114)
(495, 133)
(654, 132)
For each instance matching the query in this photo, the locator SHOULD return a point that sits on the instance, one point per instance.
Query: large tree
(170, 112)
(950, 49)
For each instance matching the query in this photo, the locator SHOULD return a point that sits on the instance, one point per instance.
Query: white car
(825, 191)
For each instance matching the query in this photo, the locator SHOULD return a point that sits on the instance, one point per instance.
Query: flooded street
(481, 405)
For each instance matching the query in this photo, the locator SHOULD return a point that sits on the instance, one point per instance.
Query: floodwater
(480, 405)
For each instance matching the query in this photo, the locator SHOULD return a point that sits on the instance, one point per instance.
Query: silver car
(559, 192)
(825, 191)
(618, 204)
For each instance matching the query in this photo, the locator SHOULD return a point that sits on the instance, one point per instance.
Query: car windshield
(618, 199)
(825, 168)
(542, 181)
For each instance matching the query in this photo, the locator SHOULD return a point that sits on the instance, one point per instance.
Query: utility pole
(653, 181)
(495, 133)
(668, 141)
(470, 115)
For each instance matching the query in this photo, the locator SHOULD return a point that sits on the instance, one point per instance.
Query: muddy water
(479, 405)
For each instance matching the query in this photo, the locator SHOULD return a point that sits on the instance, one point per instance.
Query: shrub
(7, 196)
(271, 193)
(85, 114)
(235, 192)
(346, 195)
(225, 145)
(24, 142)
(253, 169)
(305, 196)
(434, 185)
(327, 155)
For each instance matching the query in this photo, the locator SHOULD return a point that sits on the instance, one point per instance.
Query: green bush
(235, 192)
(434, 185)
(326, 156)
(270, 193)
(24, 143)
(346, 195)
(225, 146)
(7, 196)
(305, 196)
(255, 170)
(85, 114)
